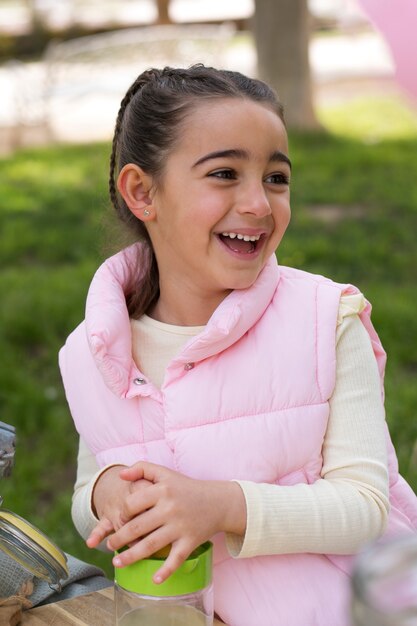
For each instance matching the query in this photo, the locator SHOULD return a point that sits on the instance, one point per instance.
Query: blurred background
(345, 71)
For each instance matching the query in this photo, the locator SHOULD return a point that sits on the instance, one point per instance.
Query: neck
(180, 307)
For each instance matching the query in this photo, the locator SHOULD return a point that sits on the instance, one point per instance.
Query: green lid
(194, 574)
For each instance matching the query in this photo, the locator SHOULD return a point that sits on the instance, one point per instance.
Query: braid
(139, 83)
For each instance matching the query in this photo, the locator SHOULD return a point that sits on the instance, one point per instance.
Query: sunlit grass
(371, 119)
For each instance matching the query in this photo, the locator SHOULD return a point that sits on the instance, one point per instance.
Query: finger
(136, 528)
(143, 469)
(137, 503)
(178, 554)
(141, 483)
(134, 472)
(140, 486)
(103, 529)
(144, 548)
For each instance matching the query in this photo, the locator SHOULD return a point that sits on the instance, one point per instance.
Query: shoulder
(350, 296)
(291, 273)
(76, 342)
(74, 354)
(321, 289)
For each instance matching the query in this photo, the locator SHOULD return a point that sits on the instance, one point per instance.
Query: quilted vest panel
(247, 399)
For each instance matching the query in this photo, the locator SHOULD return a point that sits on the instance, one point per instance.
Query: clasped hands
(147, 507)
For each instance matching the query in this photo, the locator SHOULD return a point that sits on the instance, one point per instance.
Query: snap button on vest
(139, 381)
(188, 366)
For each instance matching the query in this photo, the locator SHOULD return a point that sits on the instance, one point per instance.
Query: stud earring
(146, 212)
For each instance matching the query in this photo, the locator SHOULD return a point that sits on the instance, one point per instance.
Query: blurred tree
(282, 33)
(163, 12)
(36, 15)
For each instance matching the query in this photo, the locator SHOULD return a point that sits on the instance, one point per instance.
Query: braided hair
(148, 125)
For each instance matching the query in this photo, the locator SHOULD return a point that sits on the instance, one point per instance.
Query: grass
(354, 204)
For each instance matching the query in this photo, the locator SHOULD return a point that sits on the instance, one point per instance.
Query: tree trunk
(163, 12)
(282, 33)
(36, 18)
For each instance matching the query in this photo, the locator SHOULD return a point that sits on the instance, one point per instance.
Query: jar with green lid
(184, 599)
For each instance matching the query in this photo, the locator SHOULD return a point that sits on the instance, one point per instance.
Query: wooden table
(91, 609)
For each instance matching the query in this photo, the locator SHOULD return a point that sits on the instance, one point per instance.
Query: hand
(109, 495)
(174, 510)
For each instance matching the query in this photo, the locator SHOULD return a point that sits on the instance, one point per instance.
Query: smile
(242, 244)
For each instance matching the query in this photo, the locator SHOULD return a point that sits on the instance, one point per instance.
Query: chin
(244, 282)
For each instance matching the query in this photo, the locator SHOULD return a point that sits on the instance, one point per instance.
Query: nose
(253, 200)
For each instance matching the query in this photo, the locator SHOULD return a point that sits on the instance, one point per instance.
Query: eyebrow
(277, 156)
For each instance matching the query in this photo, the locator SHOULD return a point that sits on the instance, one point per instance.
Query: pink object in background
(397, 22)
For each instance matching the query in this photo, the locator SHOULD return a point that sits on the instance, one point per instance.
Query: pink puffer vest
(245, 399)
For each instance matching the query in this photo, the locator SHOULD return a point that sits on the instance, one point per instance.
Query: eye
(223, 174)
(278, 178)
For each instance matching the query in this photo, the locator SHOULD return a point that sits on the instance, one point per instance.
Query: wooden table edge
(63, 610)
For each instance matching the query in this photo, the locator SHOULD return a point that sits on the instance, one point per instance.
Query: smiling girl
(217, 394)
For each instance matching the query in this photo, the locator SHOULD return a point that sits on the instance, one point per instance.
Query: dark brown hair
(147, 127)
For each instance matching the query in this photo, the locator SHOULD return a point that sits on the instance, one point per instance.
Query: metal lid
(7, 448)
(27, 545)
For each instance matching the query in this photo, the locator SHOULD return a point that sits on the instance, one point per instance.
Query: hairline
(192, 102)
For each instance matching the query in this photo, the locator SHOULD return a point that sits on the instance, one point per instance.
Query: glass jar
(384, 584)
(19, 539)
(184, 599)
(33, 550)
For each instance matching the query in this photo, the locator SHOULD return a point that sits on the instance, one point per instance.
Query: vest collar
(238, 312)
(108, 326)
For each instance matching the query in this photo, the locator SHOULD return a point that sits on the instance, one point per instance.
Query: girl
(217, 394)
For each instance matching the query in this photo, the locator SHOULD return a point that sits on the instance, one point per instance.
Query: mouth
(240, 243)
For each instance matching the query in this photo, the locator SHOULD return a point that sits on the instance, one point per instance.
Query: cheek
(287, 217)
(283, 214)
(282, 219)
(207, 213)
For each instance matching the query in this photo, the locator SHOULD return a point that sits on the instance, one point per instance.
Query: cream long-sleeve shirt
(337, 514)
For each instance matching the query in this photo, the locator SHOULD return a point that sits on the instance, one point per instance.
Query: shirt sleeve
(348, 506)
(88, 473)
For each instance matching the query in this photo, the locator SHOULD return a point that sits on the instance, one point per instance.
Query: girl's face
(223, 204)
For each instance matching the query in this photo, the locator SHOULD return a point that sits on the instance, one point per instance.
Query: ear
(134, 186)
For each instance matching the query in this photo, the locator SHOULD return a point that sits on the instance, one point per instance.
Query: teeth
(244, 237)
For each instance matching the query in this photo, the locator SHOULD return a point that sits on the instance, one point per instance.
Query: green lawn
(354, 201)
